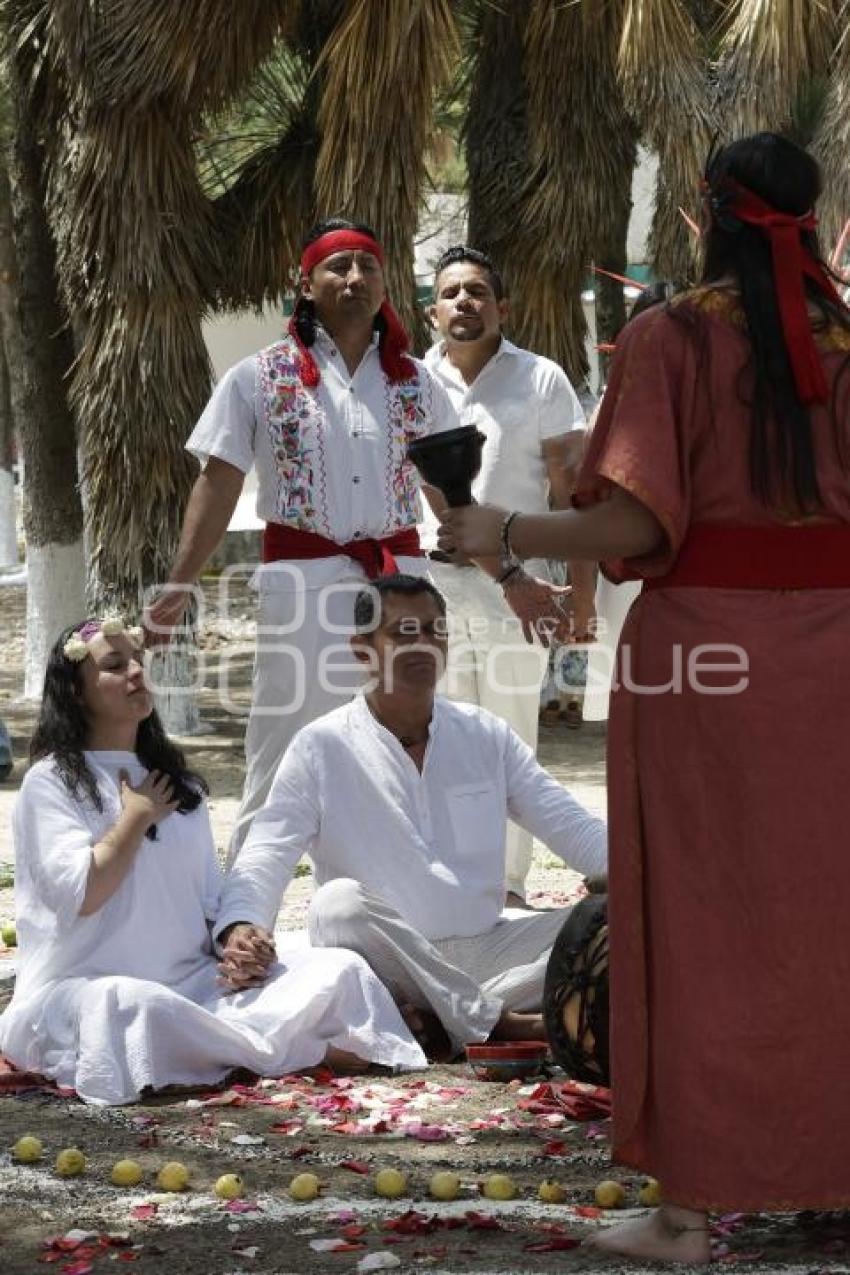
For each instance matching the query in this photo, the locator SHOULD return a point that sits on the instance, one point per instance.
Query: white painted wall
(56, 591)
(8, 520)
(643, 206)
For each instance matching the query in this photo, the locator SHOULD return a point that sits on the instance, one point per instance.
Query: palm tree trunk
(383, 66)
(583, 152)
(495, 131)
(40, 352)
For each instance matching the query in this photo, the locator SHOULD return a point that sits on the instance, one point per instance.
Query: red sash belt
(717, 556)
(376, 557)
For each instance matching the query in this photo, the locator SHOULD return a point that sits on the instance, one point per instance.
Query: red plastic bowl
(507, 1059)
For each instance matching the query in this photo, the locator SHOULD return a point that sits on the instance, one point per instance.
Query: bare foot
(513, 1026)
(668, 1234)
(344, 1062)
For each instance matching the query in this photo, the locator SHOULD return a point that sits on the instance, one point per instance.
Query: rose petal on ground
(356, 1166)
(411, 1223)
(353, 1231)
(334, 1246)
(287, 1127)
(482, 1221)
(242, 1206)
(143, 1212)
(378, 1262)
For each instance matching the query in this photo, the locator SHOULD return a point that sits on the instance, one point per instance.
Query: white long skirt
(110, 1037)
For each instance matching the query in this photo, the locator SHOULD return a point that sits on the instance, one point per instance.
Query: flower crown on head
(77, 646)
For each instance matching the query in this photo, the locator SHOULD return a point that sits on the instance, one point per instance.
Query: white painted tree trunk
(172, 673)
(56, 596)
(8, 521)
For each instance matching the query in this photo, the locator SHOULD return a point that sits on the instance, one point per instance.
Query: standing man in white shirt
(401, 798)
(326, 415)
(534, 427)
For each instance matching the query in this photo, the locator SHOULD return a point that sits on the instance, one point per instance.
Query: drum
(575, 997)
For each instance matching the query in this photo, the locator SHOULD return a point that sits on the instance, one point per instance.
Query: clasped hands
(248, 952)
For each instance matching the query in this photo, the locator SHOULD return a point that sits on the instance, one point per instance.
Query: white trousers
(613, 602)
(466, 982)
(303, 664)
(491, 664)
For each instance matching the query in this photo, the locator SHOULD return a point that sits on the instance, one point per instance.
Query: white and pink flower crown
(77, 646)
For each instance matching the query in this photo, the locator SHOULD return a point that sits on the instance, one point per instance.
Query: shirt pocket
(478, 818)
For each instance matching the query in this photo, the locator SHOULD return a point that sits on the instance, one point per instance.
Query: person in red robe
(719, 474)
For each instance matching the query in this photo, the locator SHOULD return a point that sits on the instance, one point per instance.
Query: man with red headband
(326, 416)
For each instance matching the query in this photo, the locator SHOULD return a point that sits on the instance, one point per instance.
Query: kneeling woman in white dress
(117, 882)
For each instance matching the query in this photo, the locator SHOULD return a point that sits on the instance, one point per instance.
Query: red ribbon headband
(338, 241)
(792, 262)
(393, 345)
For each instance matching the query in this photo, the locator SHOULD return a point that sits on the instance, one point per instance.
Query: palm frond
(579, 186)
(261, 219)
(664, 72)
(768, 54)
(137, 259)
(257, 161)
(832, 141)
(136, 53)
(381, 70)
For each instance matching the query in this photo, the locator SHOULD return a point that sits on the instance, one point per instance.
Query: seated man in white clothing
(401, 800)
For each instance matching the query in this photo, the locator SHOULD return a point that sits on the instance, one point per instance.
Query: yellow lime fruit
(9, 935)
(70, 1163)
(551, 1192)
(444, 1186)
(229, 1186)
(126, 1173)
(27, 1149)
(499, 1187)
(173, 1176)
(650, 1194)
(390, 1183)
(610, 1195)
(306, 1186)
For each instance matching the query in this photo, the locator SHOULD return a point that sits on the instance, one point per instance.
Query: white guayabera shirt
(430, 844)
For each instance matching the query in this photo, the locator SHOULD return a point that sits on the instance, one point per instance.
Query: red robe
(729, 813)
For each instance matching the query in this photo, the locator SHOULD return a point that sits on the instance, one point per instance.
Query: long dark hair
(304, 313)
(62, 729)
(782, 455)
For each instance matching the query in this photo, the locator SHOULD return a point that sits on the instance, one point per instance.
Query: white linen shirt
(518, 400)
(358, 498)
(430, 844)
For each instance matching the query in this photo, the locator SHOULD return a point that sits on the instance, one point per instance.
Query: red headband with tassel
(792, 263)
(393, 345)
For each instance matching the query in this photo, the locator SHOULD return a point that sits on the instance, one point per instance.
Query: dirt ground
(342, 1130)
